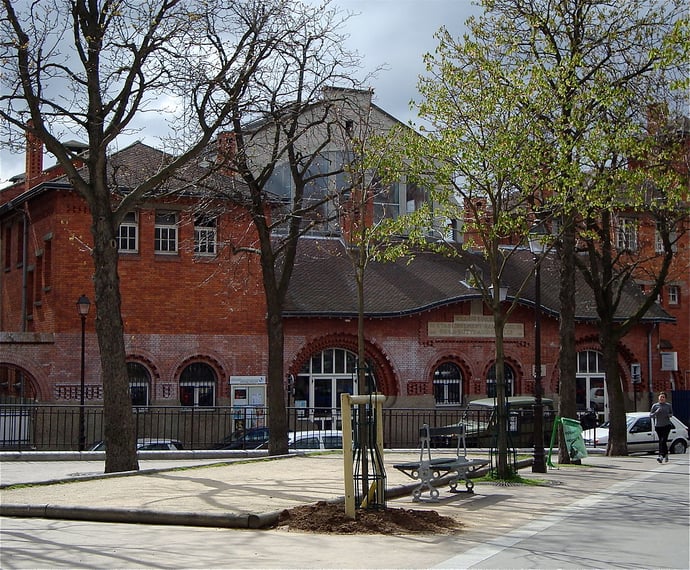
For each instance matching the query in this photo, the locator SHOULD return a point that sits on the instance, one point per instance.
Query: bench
(431, 471)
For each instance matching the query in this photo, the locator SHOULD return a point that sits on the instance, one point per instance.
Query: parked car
(641, 434)
(252, 438)
(481, 421)
(328, 439)
(147, 444)
(257, 438)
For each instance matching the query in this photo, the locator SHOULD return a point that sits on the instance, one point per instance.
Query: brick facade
(184, 308)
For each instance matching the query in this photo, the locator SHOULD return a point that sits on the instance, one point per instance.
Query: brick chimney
(225, 153)
(34, 157)
(657, 118)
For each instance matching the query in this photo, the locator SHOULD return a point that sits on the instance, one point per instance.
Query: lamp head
(538, 239)
(83, 305)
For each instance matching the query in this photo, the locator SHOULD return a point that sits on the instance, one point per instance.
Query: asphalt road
(639, 520)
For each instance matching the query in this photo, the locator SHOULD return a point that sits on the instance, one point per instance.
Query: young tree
(481, 150)
(92, 68)
(560, 67)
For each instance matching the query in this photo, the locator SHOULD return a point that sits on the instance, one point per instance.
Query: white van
(328, 439)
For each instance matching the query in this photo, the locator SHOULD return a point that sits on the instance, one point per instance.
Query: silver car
(147, 444)
(641, 435)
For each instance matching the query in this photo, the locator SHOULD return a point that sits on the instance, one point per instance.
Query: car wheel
(678, 447)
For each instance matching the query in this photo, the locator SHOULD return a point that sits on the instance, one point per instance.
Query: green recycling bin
(572, 431)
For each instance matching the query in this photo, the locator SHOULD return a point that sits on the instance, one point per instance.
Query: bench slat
(448, 430)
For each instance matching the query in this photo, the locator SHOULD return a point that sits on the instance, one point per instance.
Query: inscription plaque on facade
(473, 326)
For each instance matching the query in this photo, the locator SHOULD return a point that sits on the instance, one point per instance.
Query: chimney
(34, 157)
(225, 153)
(657, 117)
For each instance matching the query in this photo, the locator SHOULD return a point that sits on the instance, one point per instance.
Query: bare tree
(287, 147)
(92, 69)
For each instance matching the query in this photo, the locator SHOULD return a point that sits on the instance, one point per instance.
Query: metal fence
(46, 427)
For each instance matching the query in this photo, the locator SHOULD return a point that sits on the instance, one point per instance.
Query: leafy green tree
(550, 92)
(477, 157)
(630, 235)
(594, 68)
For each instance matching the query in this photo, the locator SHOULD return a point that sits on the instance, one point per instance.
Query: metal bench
(430, 471)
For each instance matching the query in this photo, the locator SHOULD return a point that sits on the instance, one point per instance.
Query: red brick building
(194, 314)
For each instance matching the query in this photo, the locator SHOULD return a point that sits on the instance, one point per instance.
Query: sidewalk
(251, 493)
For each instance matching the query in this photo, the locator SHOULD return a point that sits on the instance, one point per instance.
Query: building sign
(473, 326)
(247, 379)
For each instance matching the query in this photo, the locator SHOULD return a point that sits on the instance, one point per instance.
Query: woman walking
(661, 413)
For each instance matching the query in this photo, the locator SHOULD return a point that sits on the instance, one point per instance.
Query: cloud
(390, 35)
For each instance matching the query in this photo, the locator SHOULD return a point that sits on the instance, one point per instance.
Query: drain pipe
(25, 268)
(649, 365)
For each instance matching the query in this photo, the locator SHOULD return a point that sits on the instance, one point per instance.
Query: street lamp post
(83, 306)
(537, 246)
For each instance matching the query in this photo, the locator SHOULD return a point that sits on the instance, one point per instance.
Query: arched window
(508, 375)
(139, 384)
(448, 385)
(198, 385)
(322, 379)
(590, 382)
(15, 385)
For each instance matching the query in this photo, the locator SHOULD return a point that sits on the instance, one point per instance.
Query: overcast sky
(391, 33)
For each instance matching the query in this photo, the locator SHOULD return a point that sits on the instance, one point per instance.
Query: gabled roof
(323, 284)
(129, 167)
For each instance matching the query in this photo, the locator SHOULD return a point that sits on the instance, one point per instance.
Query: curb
(140, 516)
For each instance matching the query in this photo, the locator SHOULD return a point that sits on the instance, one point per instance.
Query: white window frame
(128, 231)
(166, 240)
(626, 234)
(142, 381)
(659, 244)
(205, 236)
(197, 386)
(509, 379)
(673, 295)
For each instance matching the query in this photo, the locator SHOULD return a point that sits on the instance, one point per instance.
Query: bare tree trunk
(361, 372)
(117, 405)
(504, 470)
(617, 444)
(277, 417)
(567, 353)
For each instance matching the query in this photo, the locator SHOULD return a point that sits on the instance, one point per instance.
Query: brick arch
(591, 342)
(212, 362)
(148, 363)
(514, 364)
(383, 369)
(173, 387)
(460, 362)
(520, 380)
(30, 381)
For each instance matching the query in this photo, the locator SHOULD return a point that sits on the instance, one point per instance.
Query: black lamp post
(83, 306)
(537, 247)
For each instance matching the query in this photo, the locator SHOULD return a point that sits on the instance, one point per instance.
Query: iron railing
(49, 427)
